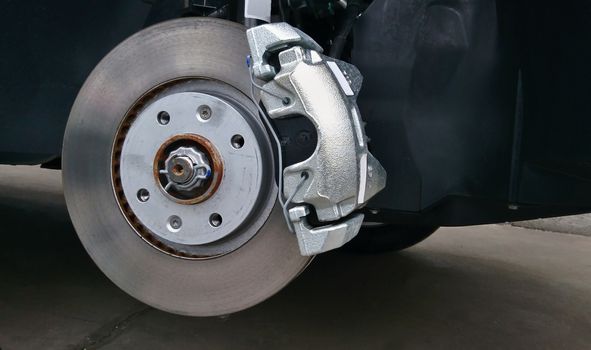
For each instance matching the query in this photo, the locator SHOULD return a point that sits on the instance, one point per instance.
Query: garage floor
(486, 287)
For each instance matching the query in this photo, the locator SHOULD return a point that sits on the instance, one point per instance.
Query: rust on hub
(204, 145)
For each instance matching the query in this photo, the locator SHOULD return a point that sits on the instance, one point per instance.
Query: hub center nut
(186, 169)
(180, 169)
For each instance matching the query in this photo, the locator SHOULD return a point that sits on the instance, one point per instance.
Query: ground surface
(486, 287)
(574, 224)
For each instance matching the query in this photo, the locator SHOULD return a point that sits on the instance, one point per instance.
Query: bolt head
(174, 223)
(180, 169)
(204, 112)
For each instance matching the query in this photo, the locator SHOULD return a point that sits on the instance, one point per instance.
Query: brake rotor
(168, 173)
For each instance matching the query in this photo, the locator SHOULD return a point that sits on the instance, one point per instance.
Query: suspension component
(341, 175)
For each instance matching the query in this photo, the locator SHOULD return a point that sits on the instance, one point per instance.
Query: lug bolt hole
(204, 112)
(143, 195)
(237, 141)
(163, 118)
(215, 220)
(174, 223)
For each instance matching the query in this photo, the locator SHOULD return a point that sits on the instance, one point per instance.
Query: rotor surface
(207, 271)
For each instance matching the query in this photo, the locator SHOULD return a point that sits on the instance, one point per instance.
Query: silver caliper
(341, 175)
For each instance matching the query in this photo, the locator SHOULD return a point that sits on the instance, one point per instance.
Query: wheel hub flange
(186, 183)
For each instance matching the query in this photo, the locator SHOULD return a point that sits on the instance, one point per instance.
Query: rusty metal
(205, 145)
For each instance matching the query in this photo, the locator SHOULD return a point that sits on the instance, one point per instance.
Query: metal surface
(186, 169)
(341, 175)
(262, 265)
(243, 168)
(258, 9)
(183, 193)
(272, 38)
(315, 240)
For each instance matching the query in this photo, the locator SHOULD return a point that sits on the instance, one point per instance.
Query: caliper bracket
(341, 175)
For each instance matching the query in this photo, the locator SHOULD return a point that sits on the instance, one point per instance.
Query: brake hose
(354, 8)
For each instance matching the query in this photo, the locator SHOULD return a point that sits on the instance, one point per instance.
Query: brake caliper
(341, 175)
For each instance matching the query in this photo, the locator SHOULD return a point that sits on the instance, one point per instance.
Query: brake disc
(169, 173)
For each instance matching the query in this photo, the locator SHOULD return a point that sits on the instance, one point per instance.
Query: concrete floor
(573, 224)
(486, 287)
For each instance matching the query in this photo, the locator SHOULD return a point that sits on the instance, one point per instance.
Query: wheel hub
(192, 169)
(186, 169)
